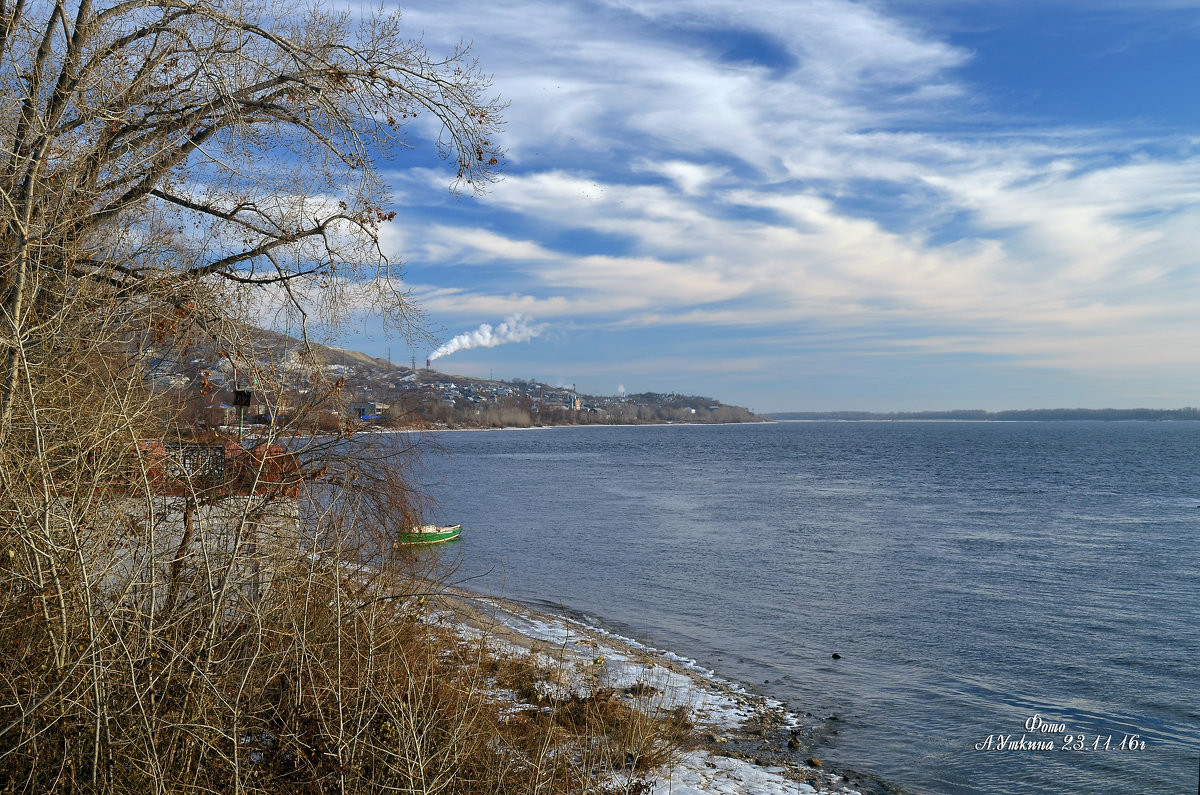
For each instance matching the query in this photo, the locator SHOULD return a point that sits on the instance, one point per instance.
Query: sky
(820, 205)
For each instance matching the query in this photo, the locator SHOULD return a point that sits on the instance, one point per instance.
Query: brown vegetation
(204, 614)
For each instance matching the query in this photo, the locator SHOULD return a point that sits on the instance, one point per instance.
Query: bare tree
(198, 614)
(165, 150)
(170, 607)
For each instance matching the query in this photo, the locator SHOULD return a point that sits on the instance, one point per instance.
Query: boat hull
(430, 535)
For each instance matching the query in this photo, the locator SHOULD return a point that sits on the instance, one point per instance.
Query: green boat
(430, 534)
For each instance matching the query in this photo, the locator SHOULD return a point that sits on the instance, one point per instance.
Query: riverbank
(742, 743)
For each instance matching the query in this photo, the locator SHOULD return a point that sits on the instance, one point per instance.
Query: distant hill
(375, 391)
(1020, 415)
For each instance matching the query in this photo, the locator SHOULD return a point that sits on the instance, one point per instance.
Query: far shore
(585, 425)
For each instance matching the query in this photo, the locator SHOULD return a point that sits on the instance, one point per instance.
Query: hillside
(378, 392)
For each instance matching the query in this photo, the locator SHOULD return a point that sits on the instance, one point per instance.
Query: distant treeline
(1022, 415)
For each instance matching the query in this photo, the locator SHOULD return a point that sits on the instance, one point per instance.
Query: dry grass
(168, 627)
(307, 684)
(606, 729)
(159, 635)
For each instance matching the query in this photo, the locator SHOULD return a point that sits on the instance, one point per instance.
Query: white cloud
(691, 178)
(707, 264)
(842, 186)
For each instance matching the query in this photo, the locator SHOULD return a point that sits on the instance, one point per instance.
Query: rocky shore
(743, 743)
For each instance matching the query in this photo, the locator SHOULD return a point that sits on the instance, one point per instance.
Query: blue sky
(822, 205)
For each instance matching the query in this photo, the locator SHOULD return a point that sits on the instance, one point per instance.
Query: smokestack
(428, 364)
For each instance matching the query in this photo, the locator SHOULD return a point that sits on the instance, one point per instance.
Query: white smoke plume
(514, 328)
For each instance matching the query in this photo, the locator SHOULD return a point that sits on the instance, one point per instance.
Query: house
(367, 410)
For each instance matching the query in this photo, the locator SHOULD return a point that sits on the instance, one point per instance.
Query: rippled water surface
(971, 576)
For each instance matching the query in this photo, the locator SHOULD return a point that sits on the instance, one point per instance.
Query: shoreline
(577, 425)
(744, 742)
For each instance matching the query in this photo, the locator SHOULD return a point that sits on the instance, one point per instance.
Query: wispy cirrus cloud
(745, 169)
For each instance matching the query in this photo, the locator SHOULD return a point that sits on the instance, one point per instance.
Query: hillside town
(376, 393)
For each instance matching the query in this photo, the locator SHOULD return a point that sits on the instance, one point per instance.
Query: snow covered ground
(747, 750)
(706, 773)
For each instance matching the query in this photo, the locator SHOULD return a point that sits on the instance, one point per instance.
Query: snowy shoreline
(749, 744)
